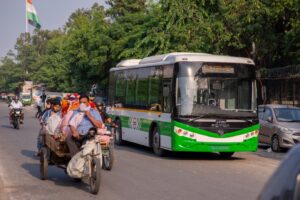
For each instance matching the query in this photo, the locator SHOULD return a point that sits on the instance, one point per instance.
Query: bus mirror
(166, 91)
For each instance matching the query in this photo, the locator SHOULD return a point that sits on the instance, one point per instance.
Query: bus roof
(179, 57)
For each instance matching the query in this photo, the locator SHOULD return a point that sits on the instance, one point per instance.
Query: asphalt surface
(137, 173)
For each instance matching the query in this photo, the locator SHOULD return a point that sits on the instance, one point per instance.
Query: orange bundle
(64, 107)
(74, 105)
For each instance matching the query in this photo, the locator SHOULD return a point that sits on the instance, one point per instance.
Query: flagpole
(26, 17)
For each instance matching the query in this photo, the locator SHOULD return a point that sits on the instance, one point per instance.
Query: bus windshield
(215, 89)
(26, 97)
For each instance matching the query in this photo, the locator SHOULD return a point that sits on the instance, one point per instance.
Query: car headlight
(285, 130)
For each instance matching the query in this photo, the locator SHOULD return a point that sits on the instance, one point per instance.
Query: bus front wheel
(226, 154)
(156, 143)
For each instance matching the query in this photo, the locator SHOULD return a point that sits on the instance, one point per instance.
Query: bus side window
(120, 91)
(167, 95)
(155, 93)
(168, 71)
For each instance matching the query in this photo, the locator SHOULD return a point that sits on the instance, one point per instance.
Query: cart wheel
(108, 161)
(44, 164)
(95, 176)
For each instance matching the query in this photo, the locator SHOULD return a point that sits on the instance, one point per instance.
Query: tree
(120, 8)
(11, 75)
(87, 47)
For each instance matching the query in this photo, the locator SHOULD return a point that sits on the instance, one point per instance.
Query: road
(137, 173)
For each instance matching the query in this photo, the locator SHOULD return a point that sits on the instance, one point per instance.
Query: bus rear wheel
(156, 143)
(118, 134)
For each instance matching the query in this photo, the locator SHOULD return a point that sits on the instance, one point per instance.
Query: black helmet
(56, 101)
(98, 101)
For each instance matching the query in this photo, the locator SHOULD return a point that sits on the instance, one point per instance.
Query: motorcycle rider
(101, 109)
(16, 104)
(47, 107)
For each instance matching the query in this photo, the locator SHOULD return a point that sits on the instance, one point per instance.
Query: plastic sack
(78, 165)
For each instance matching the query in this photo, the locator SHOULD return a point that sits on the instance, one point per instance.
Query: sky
(53, 14)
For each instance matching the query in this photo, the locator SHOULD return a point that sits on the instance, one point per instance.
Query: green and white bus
(191, 102)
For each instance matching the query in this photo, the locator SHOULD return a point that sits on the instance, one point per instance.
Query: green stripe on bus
(190, 145)
(216, 135)
(165, 128)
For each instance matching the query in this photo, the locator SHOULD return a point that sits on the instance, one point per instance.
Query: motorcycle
(39, 106)
(107, 146)
(16, 116)
(39, 112)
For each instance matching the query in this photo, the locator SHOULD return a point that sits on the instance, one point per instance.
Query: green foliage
(11, 75)
(94, 40)
(88, 47)
(120, 8)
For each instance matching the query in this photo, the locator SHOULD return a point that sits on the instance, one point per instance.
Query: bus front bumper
(188, 145)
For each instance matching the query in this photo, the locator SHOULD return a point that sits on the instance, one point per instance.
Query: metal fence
(282, 85)
(283, 91)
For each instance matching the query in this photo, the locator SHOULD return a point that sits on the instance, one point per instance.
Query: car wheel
(275, 146)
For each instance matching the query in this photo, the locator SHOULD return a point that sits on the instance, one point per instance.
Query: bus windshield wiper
(199, 117)
(220, 116)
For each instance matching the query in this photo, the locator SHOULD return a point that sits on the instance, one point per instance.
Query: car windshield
(210, 89)
(26, 97)
(287, 114)
(38, 93)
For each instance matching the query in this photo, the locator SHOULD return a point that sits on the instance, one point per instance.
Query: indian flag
(32, 17)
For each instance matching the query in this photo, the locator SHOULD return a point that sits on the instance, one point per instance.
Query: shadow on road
(57, 176)
(138, 149)
(7, 126)
(30, 154)
(265, 151)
